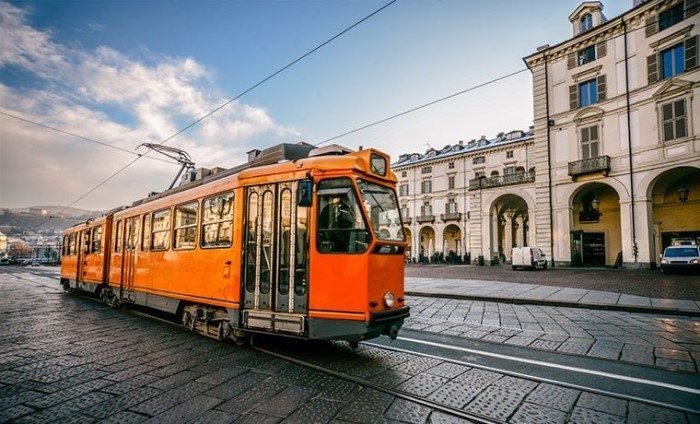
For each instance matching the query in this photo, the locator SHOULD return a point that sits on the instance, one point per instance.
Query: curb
(563, 304)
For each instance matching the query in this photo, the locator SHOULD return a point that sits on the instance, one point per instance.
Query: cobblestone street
(664, 341)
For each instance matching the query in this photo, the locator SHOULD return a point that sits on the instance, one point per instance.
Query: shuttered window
(673, 60)
(674, 120)
(589, 142)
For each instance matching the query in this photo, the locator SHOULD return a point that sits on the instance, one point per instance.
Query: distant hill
(19, 220)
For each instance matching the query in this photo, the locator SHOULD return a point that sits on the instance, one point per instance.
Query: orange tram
(300, 241)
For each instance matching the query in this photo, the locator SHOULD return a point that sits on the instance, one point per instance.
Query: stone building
(451, 199)
(610, 172)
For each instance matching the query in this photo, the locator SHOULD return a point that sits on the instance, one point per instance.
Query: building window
(450, 182)
(451, 165)
(509, 170)
(479, 174)
(586, 55)
(478, 159)
(589, 142)
(403, 190)
(674, 120)
(509, 154)
(403, 174)
(586, 22)
(451, 206)
(588, 93)
(426, 170)
(671, 16)
(679, 58)
(404, 211)
(672, 61)
(426, 186)
(426, 209)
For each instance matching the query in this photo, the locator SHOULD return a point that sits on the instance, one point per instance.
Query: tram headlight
(389, 299)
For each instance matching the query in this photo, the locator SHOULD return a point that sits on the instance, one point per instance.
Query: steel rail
(537, 378)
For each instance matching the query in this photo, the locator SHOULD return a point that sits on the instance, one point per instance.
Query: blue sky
(128, 72)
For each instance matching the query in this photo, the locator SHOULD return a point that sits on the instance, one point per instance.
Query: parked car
(681, 258)
(528, 258)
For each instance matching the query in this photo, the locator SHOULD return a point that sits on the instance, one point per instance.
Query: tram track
(419, 344)
(455, 412)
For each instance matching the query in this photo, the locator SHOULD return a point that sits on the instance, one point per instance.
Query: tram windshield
(341, 227)
(383, 209)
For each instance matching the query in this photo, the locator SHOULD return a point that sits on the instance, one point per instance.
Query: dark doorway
(593, 249)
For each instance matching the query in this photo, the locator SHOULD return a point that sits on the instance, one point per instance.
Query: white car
(681, 258)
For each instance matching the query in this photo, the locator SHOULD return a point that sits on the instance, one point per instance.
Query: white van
(528, 258)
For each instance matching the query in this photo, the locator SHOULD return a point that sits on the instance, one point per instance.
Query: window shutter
(691, 53)
(601, 88)
(652, 68)
(571, 60)
(691, 7)
(573, 96)
(652, 26)
(601, 50)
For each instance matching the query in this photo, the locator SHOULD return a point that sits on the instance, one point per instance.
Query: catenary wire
(406, 112)
(92, 140)
(264, 80)
(643, 27)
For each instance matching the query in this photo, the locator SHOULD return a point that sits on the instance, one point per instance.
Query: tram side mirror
(304, 194)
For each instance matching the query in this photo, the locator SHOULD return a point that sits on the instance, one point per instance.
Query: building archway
(408, 253)
(596, 231)
(427, 243)
(675, 209)
(452, 242)
(509, 225)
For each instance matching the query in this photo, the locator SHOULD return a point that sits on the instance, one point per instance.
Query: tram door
(131, 228)
(83, 246)
(275, 259)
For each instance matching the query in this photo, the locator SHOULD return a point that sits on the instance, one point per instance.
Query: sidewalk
(520, 293)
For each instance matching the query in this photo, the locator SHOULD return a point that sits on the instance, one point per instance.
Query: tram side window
(118, 237)
(186, 226)
(146, 233)
(64, 247)
(71, 245)
(160, 230)
(96, 240)
(217, 221)
(341, 227)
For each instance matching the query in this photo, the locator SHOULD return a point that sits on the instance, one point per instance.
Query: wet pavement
(71, 359)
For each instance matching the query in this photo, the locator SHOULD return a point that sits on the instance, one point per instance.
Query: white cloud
(108, 96)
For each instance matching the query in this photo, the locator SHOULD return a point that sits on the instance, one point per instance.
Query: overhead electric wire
(423, 106)
(264, 80)
(92, 140)
(347, 132)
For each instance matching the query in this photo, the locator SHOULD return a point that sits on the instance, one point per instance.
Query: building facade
(453, 199)
(609, 174)
(616, 121)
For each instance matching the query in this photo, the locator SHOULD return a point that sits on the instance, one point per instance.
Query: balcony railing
(502, 180)
(425, 218)
(454, 216)
(589, 166)
(406, 219)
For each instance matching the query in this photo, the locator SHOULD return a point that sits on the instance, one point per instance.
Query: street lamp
(683, 194)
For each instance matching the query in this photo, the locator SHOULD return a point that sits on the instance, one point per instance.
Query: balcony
(454, 216)
(589, 166)
(406, 220)
(425, 218)
(502, 180)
